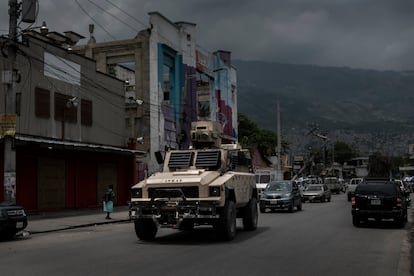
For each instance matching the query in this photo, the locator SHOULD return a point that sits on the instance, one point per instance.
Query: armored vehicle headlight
(136, 193)
(214, 191)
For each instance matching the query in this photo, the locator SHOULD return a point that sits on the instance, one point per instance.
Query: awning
(72, 145)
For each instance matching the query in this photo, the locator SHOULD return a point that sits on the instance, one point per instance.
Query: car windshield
(384, 189)
(264, 178)
(314, 188)
(278, 186)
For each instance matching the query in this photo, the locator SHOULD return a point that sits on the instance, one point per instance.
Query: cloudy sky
(368, 34)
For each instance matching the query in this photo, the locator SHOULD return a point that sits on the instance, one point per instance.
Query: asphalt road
(320, 240)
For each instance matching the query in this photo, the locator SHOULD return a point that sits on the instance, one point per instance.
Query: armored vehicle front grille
(190, 192)
(180, 159)
(209, 158)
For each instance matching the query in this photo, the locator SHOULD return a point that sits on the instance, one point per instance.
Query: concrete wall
(105, 93)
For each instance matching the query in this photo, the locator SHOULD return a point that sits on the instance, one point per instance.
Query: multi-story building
(176, 83)
(69, 137)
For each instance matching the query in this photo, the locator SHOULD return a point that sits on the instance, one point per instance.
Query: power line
(97, 23)
(123, 22)
(134, 18)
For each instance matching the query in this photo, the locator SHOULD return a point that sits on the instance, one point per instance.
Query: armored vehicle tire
(250, 215)
(146, 229)
(226, 226)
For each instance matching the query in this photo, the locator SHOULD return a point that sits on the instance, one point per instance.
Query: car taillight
(399, 202)
(353, 201)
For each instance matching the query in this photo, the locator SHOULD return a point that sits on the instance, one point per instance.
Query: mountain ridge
(368, 106)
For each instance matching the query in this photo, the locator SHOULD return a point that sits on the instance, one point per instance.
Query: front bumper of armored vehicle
(171, 206)
(172, 212)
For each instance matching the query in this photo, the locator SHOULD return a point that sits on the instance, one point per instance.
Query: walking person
(108, 201)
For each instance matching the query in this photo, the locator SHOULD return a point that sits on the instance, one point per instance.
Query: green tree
(343, 152)
(379, 165)
(251, 135)
(246, 128)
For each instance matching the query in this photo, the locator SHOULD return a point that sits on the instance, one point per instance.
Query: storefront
(56, 175)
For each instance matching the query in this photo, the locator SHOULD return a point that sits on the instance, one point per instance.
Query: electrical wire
(97, 23)
(152, 108)
(86, 78)
(123, 22)
(134, 18)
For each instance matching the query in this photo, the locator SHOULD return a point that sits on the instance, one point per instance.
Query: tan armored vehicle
(208, 184)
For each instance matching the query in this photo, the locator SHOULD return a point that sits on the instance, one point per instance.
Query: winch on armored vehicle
(209, 184)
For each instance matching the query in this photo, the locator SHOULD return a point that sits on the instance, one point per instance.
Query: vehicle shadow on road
(203, 235)
(383, 224)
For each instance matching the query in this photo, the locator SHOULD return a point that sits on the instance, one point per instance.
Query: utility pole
(279, 138)
(9, 117)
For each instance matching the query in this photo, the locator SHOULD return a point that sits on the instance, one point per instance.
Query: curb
(79, 226)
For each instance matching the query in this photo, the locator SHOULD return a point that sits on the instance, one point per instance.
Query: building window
(65, 112)
(42, 103)
(86, 112)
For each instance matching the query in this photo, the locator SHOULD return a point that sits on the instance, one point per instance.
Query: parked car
(13, 219)
(317, 192)
(379, 199)
(405, 189)
(282, 194)
(333, 184)
(353, 183)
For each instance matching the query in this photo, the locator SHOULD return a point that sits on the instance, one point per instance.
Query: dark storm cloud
(375, 34)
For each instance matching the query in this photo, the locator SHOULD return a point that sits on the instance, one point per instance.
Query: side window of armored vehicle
(240, 161)
(233, 160)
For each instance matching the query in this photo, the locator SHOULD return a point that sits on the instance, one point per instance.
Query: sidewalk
(49, 222)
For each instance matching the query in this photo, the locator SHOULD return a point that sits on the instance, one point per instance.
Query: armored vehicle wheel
(226, 226)
(146, 229)
(250, 215)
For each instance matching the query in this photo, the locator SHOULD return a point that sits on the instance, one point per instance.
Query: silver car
(317, 192)
(353, 183)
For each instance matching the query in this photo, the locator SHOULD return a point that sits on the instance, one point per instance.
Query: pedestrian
(108, 201)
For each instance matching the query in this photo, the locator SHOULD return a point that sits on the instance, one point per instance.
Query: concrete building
(176, 81)
(70, 134)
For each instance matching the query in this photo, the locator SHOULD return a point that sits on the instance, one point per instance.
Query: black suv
(379, 199)
(13, 219)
